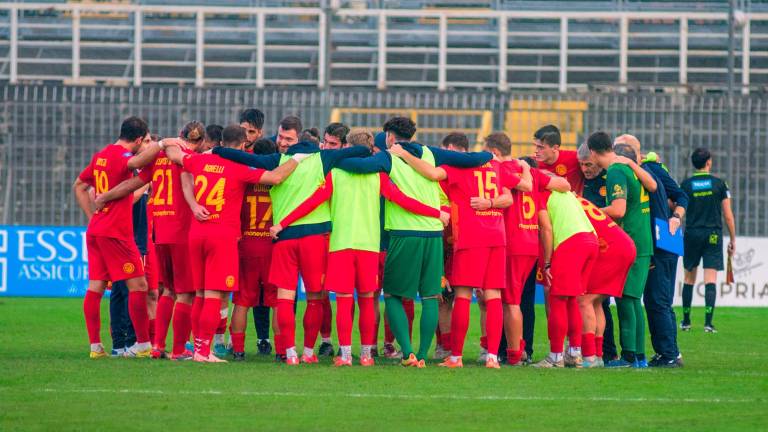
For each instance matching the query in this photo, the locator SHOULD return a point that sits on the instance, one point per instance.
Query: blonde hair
(360, 137)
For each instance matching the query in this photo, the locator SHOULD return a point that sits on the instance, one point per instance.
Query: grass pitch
(48, 383)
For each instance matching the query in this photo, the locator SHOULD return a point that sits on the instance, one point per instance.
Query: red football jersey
(170, 211)
(256, 216)
(475, 228)
(219, 187)
(108, 168)
(567, 165)
(609, 234)
(522, 217)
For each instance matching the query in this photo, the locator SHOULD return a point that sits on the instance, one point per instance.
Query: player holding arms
(112, 252)
(213, 241)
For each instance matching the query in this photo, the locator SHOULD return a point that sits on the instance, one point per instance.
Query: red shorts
(484, 268)
(175, 267)
(111, 259)
(254, 270)
(519, 267)
(614, 266)
(572, 264)
(306, 255)
(150, 270)
(214, 263)
(349, 269)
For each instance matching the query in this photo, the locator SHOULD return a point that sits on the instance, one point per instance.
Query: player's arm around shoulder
(434, 173)
(279, 174)
(460, 160)
(145, 157)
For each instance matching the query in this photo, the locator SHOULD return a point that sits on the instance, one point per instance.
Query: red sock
(209, 320)
(152, 324)
(389, 337)
(344, 319)
(238, 341)
(92, 312)
(326, 326)
(162, 321)
(367, 322)
(557, 322)
(494, 318)
(588, 344)
(286, 320)
(522, 346)
(438, 336)
(408, 306)
(513, 357)
(575, 323)
(137, 309)
(182, 325)
(313, 319)
(197, 310)
(459, 325)
(599, 346)
(484, 340)
(446, 341)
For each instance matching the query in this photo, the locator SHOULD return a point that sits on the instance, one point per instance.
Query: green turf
(48, 383)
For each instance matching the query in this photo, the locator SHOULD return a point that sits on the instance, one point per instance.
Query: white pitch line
(394, 396)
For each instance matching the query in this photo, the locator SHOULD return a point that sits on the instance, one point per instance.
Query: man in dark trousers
(710, 202)
(660, 286)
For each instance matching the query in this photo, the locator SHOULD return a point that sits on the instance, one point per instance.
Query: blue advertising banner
(43, 261)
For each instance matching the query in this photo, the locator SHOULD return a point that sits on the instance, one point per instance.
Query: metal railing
(383, 48)
(49, 133)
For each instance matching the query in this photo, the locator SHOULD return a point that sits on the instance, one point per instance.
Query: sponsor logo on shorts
(129, 268)
(230, 281)
(561, 170)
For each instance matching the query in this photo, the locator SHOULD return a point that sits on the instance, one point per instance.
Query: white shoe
(139, 350)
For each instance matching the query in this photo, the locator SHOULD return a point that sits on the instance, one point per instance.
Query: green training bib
(415, 186)
(299, 186)
(355, 207)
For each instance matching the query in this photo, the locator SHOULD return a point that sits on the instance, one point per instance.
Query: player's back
(566, 214)
(521, 219)
(608, 232)
(256, 216)
(705, 194)
(219, 187)
(109, 168)
(475, 228)
(636, 220)
(355, 210)
(172, 216)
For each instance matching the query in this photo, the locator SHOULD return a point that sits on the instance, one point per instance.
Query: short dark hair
(133, 128)
(401, 127)
(600, 142)
(291, 123)
(232, 136)
(213, 134)
(699, 157)
(338, 130)
(456, 139)
(548, 134)
(530, 161)
(310, 135)
(264, 146)
(499, 141)
(193, 131)
(253, 117)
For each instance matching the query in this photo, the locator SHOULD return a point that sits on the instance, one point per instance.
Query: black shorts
(703, 244)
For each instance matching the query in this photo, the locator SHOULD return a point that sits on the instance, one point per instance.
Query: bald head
(630, 140)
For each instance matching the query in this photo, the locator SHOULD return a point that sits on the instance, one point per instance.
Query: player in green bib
(354, 244)
(414, 262)
(628, 204)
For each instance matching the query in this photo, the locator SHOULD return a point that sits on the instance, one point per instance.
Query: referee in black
(710, 202)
